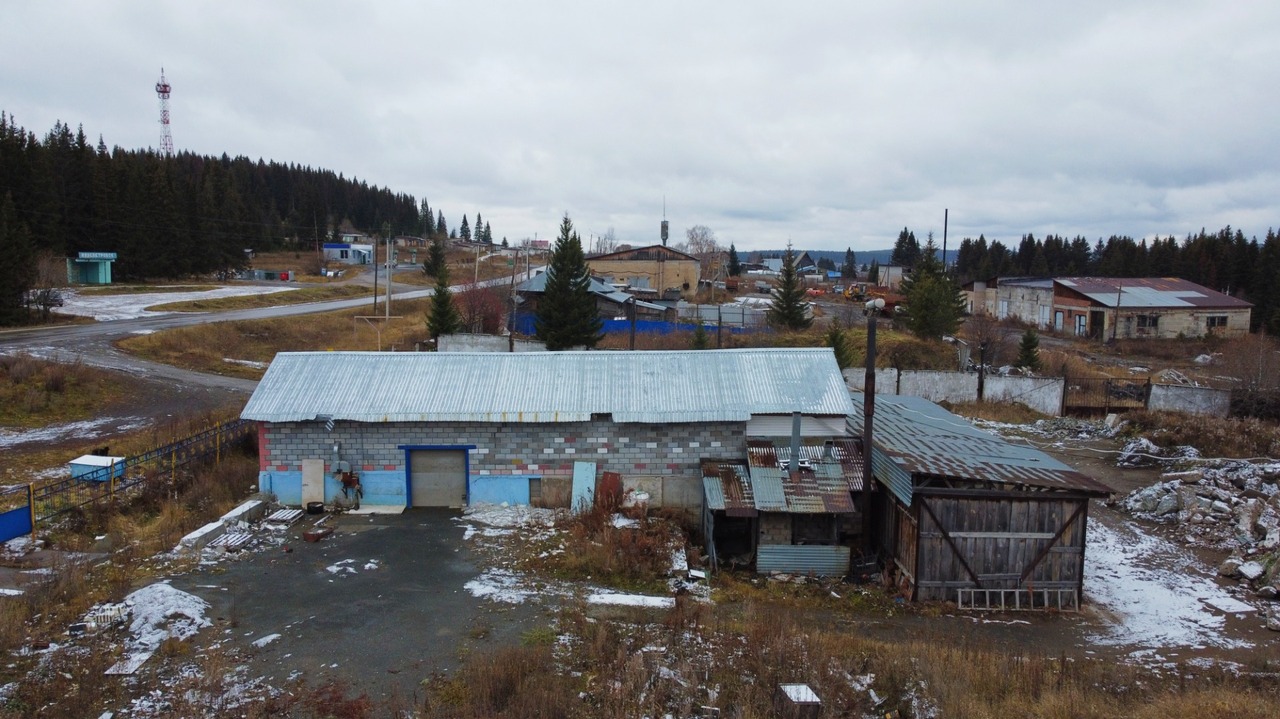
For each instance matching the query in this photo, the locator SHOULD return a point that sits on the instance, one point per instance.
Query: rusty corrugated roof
(1149, 293)
(727, 488)
(827, 477)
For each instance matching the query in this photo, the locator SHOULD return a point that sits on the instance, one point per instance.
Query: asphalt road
(93, 345)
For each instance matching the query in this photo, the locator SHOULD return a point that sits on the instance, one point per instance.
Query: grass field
(224, 347)
(35, 393)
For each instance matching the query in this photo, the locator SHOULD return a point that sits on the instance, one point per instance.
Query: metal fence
(1102, 395)
(36, 504)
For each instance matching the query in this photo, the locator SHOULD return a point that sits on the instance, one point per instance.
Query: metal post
(632, 303)
(868, 415)
(31, 507)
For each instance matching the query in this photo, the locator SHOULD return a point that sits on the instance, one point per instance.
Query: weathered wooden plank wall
(1006, 542)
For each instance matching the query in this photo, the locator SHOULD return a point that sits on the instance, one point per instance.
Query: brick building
(445, 429)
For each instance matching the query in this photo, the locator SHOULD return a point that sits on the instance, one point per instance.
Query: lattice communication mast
(166, 138)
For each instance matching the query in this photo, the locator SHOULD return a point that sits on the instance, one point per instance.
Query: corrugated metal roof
(727, 488)
(645, 387)
(821, 487)
(1150, 293)
(917, 437)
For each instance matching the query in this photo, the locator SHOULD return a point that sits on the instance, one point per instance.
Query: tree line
(180, 216)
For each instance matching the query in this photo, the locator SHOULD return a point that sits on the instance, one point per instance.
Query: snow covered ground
(126, 307)
(81, 431)
(1159, 594)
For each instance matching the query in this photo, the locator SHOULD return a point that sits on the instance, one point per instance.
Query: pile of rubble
(1232, 506)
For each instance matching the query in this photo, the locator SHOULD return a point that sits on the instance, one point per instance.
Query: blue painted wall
(380, 487)
(17, 522)
(499, 488)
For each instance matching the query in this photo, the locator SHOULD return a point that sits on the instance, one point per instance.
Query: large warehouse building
(447, 429)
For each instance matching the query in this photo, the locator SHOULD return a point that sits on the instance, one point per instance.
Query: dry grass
(1065, 363)
(206, 348)
(648, 667)
(321, 293)
(1233, 437)
(35, 392)
(592, 548)
(151, 522)
(1009, 412)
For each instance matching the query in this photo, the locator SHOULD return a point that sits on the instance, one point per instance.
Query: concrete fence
(1043, 394)
(488, 343)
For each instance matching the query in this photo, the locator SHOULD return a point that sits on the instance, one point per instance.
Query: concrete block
(198, 539)
(248, 511)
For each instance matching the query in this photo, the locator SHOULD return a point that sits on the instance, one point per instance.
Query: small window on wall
(1148, 322)
(1216, 322)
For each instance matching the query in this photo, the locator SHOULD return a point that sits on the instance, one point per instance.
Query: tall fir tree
(934, 303)
(567, 315)
(444, 318)
(873, 272)
(788, 308)
(849, 270)
(1029, 351)
(435, 263)
(16, 268)
(735, 265)
(488, 234)
(442, 227)
(906, 250)
(464, 231)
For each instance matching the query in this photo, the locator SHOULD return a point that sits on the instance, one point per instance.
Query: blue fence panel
(15, 523)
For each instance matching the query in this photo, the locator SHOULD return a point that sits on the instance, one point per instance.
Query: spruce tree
(435, 263)
(735, 266)
(15, 265)
(838, 339)
(442, 228)
(788, 309)
(700, 339)
(464, 231)
(444, 318)
(873, 273)
(935, 303)
(1029, 351)
(849, 270)
(567, 315)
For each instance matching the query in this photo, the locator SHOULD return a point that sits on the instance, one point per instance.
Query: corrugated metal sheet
(824, 484)
(727, 488)
(646, 387)
(822, 560)
(1149, 292)
(914, 436)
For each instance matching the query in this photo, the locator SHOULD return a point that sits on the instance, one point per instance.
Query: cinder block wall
(775, 528)
(669, 452)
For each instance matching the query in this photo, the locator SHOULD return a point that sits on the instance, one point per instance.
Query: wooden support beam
(1061, 531)
(950, 542)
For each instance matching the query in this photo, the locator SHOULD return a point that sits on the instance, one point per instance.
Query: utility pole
(387, 227)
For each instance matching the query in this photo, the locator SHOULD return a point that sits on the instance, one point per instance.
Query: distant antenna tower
(166, 138)
(664, 221)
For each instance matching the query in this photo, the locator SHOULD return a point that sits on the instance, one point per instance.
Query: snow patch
(264, 641)
(1158, 592)
(85, 430)
(126, 307)
(630, 600)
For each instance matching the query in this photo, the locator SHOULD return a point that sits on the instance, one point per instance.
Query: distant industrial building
(1112, 307)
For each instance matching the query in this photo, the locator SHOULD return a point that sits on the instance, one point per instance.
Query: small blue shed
(97, 468)
(90, 268)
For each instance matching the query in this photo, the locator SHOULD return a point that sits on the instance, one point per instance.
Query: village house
(1112, 307)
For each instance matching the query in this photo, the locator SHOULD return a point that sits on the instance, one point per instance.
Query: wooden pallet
(284, 516)
(232, 541)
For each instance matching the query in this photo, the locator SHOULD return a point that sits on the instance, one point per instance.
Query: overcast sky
(832, 124)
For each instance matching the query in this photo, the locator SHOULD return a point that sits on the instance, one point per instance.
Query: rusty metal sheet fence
(1102, 395)
(52, 499)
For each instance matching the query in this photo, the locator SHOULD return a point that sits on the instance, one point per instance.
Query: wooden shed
(967, 516)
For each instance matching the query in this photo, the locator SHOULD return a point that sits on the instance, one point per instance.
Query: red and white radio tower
(166, 138)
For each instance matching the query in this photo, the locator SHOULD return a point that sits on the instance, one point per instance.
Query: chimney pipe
(794, 467)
